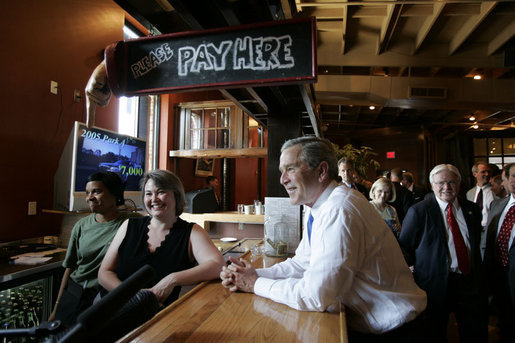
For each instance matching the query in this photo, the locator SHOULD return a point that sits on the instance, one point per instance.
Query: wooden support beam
(428, 25)
(504, 36)
(471, 24)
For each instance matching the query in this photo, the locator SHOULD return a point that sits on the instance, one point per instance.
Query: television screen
(101, 150)
(90, 150)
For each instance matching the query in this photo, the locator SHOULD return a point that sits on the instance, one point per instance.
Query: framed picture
(204, 166)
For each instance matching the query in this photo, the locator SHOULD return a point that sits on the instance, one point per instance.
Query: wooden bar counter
(210, 313)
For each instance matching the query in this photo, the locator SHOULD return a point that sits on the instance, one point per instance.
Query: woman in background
(88, 244)
(181, 253)
(382, 191)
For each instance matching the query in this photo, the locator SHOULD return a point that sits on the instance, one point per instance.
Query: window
(209, 128)
(218, 125)
(138, 116)
(207, 125)
(499, 151)
(128, 107)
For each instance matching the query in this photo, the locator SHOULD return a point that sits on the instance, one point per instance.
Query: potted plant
(362, 157)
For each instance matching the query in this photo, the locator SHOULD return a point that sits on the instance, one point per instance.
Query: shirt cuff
(262, 287)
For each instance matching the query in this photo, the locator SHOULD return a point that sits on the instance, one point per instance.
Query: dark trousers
(469, 306)
(411, 332)
(74, 301)
(502, 304)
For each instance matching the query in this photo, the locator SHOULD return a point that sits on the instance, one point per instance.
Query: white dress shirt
(510, 203)
(488, 197)
(354, 260)
(458, 214)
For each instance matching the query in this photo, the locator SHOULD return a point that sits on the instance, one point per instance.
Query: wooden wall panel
(43, 41)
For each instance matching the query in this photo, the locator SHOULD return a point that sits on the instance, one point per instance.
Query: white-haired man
(441, 236)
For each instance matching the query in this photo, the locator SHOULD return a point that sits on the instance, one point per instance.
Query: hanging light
(372, 107)
(477, 77)
(472, 118)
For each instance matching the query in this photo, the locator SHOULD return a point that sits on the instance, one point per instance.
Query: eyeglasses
(442, 183)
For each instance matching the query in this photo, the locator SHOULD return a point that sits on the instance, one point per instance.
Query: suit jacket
(403, 200)
(363, 190)
(491, 265)
(360, 188)
(418, 193)
(424, 239)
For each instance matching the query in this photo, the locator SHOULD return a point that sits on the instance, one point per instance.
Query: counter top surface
(224, 217)
(9, 272)
(210, 313)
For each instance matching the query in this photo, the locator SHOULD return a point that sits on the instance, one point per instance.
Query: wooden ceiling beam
(345, 27)
(428, 25)
(471, 24)
(499, 40)
(388, 27)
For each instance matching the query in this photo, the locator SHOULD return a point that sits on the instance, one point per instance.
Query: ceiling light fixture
(475, 126)
(472, 118)
(477, 77)
(371, 108)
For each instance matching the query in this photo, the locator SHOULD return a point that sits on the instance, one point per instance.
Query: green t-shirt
(88, 244)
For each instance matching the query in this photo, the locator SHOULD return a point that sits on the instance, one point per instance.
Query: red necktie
(459, 243)
(504, 236)
(479, 199)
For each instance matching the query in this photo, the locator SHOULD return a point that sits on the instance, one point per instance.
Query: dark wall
(43, 41)
(408, 148)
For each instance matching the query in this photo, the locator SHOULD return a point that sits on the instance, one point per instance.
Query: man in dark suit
(441, 236)
(417, 191)
(346, 172)
(500, 256)
(404, 198)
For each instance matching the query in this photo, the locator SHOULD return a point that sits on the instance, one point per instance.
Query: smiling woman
(180, 252)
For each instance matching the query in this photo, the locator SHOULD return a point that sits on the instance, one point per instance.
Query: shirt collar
(347, 184)
(443, 204)
(511, 201)
(485, 186)
(323, 197)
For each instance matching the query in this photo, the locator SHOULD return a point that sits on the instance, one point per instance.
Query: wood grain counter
(210, 313)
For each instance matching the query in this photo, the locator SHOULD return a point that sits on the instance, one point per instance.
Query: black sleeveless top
(171, 256)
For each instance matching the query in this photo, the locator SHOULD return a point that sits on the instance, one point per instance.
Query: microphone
(99, 316)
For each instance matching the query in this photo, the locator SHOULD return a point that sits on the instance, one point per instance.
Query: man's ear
(323, 168)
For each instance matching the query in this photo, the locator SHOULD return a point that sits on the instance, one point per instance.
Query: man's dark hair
(408, 177)
(397, 172)
(506, 169)
(210, 178)
(112, 182)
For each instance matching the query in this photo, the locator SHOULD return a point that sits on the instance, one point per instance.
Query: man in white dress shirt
(347, 256)
(482, 195)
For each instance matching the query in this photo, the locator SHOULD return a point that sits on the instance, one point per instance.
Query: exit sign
(390, 154)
